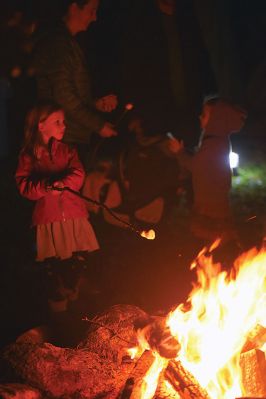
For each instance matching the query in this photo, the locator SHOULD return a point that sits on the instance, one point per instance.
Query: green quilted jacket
(62, 76)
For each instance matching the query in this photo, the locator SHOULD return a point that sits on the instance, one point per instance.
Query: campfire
(212, 347)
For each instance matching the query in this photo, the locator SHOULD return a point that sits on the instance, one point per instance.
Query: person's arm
(29, 186)
(75, 174)
(64, 89)
(177, 148)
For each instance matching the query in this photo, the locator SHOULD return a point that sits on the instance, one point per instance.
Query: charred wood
(134, 382)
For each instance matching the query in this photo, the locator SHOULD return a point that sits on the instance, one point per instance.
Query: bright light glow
(233, 159)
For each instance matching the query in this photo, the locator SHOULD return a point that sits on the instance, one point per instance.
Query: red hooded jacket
(33, 175)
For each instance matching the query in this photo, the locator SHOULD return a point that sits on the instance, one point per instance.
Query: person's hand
(175, 145)
(107, 130)
(58, 184)
(106, 103)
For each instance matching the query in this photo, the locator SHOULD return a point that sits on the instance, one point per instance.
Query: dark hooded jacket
(210, 167)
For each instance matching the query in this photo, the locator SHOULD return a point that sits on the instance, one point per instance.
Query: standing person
(165, 68)
(62, 74)
(210, 168)
(60, 217)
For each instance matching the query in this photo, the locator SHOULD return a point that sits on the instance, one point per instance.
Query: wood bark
(112, 333)
(164, 391)
(255, 339)
(184, 382)
(19, 391)
(253, 367)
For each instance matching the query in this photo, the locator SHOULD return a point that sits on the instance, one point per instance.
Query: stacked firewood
(175, 381)
(253, 364)
(100, 366)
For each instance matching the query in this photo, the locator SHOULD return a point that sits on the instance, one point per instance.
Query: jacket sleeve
(76, 174)
(28, 185)
(65, 63)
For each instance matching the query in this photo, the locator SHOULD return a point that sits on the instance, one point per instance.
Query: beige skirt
(61, 239)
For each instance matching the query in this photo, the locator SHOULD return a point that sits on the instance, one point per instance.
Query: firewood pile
(253, 363)
(100, 366)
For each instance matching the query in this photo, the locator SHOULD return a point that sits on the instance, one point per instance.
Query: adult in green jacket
(62, 74)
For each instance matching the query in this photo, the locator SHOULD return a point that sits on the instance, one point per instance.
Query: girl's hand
(58, 184)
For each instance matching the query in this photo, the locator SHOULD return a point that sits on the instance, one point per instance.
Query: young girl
(60, 217)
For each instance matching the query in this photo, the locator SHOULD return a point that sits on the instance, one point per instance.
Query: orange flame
(150, 380)
(224, 308)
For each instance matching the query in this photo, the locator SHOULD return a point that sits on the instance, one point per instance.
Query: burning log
(253, 366)
(158, 335)
(133, 384)
(184, 382)
(255, 339)
(164, 389)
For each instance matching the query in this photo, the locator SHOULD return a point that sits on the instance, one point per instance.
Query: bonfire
(211, 347)
(219, 335)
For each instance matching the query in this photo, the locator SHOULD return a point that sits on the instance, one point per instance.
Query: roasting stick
(128, 107)
(149, 235)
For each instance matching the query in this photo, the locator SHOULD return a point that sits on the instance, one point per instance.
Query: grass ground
(248, 195)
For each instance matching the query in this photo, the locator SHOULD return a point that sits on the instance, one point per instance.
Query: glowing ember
(223, 309)
(150, 234)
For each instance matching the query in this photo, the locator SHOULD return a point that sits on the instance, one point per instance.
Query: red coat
(32, 175)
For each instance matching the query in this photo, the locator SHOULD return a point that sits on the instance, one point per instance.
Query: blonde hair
(32, 136)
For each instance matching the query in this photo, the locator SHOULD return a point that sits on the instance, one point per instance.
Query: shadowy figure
(147, 170)
(165, 69)
(45, 163)
(210, 169)
(62, 74)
